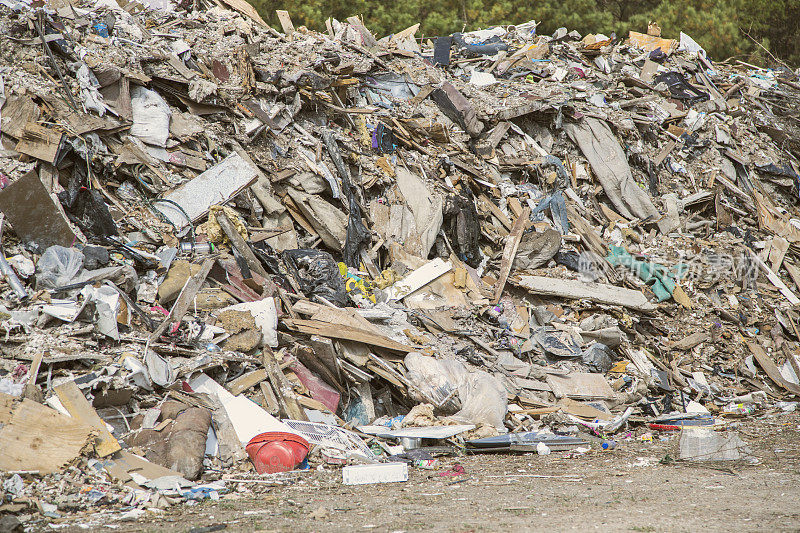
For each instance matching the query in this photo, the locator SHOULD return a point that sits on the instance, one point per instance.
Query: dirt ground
(636, 487)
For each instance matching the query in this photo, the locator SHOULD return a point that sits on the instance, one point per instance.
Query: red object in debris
(276, 451)
(664, 427)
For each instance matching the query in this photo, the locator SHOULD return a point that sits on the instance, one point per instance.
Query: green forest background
(753, 30)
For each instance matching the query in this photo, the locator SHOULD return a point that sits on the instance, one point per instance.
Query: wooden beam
(510, 252)
(340, 331)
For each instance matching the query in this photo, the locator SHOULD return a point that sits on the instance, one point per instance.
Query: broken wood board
(244, 7)
(124, 462)
(7, 404)
(239, 243)
(79, 408)
(775, 280)
(40, 142)
(286, 22)
(417, 279)
(690, 341)
(39, 438)
(282, 389)
(510, 252)
(766, 363)
(597, 292)
(581, 386)
(244, 382)
(184, 299)
(215, 186)
(339, 331)
(582, 410)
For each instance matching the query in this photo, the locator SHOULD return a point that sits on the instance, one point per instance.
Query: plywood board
(40, 438)
(339, 331)
(79, 408)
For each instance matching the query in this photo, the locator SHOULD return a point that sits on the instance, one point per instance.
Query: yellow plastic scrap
(353, 282)
(213, 230)
(387, 278)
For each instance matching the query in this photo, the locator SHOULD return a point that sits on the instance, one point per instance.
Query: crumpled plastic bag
(57, 267)
(472, 397)
(317, 273)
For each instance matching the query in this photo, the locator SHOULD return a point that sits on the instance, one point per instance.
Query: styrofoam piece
(379, 473)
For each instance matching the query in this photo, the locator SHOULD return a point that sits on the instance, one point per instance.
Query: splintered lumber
(239, 243)
(597, 292)
(244, 382)
(349, 333)
(775, 280)
(282, 389)
(185, 298)
(79, 408)
(510, 251)
(765, 362)
(427, 273)
(36, 437)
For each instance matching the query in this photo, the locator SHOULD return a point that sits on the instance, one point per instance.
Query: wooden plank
(35, 365)
(270, 401)
(339, 331)
(597, 292)
(40, 142)
(766, 363)
(286, 22)
(185, 298)
(794, 273)
(366, 35)
(419, 278)
(79, 408)
(239, 243)
(499, 215)
(581, 386)
(690, 341)
(282, 389)
(510, 252)
(124, 462)
(775, 280)
(486, 149)
(40, 438)
(7, 404)
(244, 382)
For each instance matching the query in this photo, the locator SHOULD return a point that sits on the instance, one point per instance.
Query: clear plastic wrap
(473, 397)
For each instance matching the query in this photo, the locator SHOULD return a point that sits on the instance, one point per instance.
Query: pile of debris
(231, 251)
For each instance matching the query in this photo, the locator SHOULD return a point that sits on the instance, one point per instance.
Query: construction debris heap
(234, 251)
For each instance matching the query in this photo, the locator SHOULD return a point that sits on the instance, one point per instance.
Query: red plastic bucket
(276, 451)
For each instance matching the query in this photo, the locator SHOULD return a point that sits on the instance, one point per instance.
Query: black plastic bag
(680, 88)
(462, 226)
(316, 273)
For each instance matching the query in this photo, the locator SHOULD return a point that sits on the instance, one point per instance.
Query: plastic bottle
(608, 445)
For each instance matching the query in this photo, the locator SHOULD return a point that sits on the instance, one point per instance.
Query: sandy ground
(633, 488)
